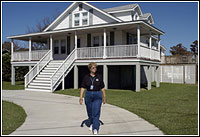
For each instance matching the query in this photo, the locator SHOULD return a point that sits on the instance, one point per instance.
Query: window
(132, 39)
(63, 46)
(56, 47)
(76, 19)
(96, 41)
(136, 17)
(84, 18)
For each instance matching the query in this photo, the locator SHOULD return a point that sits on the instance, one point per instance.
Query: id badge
(91, 87)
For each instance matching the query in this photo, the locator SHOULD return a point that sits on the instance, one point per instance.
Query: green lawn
(13, 117)
(18, 85)
(173, 108)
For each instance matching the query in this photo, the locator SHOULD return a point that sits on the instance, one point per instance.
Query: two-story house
(121, 40)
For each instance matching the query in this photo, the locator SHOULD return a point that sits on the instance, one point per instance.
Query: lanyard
(92, 80)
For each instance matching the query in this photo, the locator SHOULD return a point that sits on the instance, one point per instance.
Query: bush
(6, 67)
(20, 71)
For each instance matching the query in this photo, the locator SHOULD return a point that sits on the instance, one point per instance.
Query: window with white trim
(136, 17)
(76, 19)
(85, 18)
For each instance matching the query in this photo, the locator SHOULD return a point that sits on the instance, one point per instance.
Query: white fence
(183, 73)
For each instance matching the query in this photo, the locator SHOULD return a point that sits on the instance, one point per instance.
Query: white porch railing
(155, 54)
(121, 51)
(90, 52)
(67, 64)
(24, 55)
(145, 52)
(37, 68)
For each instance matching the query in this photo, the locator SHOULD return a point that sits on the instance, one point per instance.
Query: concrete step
(40, 84)
(46, 73)
(39, 87)
(42, 81)
(33, 89)
(49, 70)
(52, 66)
(43, 76)
(54, 63)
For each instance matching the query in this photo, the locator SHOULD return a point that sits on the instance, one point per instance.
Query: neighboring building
(179, 59)
(122, 40)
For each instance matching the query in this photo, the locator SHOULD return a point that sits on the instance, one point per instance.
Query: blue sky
(179, 20)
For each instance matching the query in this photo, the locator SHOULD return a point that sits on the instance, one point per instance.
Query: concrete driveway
(55, 114)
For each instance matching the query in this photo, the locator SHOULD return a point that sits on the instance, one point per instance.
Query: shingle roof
(125, 7)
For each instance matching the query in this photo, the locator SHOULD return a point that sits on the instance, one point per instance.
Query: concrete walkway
(55, 114)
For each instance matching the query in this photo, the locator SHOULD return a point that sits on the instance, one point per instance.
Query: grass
(19, 85)
(173, 108)
(13, 117)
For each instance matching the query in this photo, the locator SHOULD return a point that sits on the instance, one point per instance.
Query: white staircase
(47, 74)
(42, 81)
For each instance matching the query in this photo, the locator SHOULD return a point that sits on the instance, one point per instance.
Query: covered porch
(132, 41)
(138, 40)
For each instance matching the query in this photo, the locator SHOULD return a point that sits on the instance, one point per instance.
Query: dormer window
(136, 17)
(85, 18)
(76, 19)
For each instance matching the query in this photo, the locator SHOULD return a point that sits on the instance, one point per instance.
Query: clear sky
(179, 20)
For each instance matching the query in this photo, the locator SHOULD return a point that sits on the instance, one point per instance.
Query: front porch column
(48, 43)
(104, 43)
(159, 45)
(138, 40)
(150, 43)
(157, 76)
(75, 77)
(149, 77)
(105, 75)
(13, 75)
(51, 46)
(138, 71)
(29, 43)
(12, 50)
(63, 82)
(75, 42)
(30, 68)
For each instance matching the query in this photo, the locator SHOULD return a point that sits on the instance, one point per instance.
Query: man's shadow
(86, 122)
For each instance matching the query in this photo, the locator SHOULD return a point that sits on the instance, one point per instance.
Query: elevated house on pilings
(121, 40)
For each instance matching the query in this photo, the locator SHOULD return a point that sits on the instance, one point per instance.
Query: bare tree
(41, 26)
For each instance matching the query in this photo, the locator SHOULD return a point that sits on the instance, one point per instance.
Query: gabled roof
(62, 14)
(125, 7)
(102, 11)
(145, 16)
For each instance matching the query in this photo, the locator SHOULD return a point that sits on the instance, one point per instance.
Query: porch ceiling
(127, 27)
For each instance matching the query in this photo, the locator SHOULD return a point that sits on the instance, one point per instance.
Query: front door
(60, 49)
